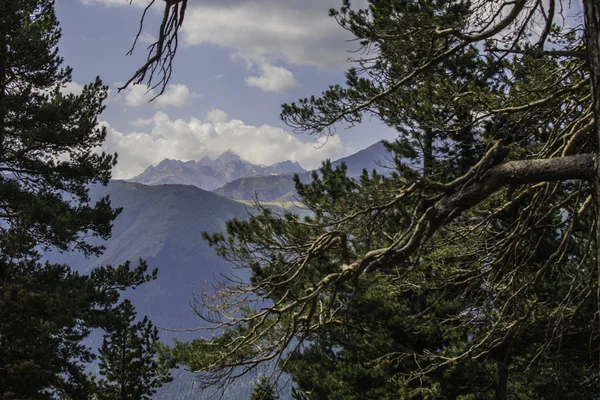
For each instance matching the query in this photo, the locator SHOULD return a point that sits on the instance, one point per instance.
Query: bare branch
(161, 53)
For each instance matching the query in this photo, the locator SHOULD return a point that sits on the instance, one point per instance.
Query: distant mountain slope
(208, 174)
(373, 157)
(267, 188)
(163, 224)
(281, 188)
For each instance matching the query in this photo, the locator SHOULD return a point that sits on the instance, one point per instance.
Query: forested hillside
(163, 225)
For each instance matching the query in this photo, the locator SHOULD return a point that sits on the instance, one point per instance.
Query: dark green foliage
(47, 140)
(385, 340)
(162, 224)
(129, 363)
(297, 394)
(264, 390)
(48, 158)
(47, 310)
(433, 115)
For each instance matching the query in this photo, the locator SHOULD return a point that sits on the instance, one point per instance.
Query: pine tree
(48, 140)
(264, 390)
(48, 159)
(129, 361)
(47, 312)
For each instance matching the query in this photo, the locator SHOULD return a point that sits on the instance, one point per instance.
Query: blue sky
(240, 60)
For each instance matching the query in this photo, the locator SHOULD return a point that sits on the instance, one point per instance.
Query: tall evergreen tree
(48, 159)
(47, 311)
(48, 140)
(129, 362)
(264, 390)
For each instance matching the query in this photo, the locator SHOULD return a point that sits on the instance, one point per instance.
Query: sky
(238, 62)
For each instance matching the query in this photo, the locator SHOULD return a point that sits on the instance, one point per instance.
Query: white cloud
(194, 139)
(272, 79)
(72, 88)
(136, 95)
(175, 95)
(216, 116)
(147, 38)
(140, 122)
(300, 33)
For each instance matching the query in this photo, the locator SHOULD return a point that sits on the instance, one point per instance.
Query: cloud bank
(298, 33)
(160, 137)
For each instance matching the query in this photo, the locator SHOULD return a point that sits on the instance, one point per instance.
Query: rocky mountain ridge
(211, 174)
(281, 188)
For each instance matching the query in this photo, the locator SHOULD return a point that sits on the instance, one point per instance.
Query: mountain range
(211, 174)
(281, 187)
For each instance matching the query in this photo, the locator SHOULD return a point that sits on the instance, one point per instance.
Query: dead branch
(161, 53)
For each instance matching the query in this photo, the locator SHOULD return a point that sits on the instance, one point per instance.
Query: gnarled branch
(162, 52)
(264, 342)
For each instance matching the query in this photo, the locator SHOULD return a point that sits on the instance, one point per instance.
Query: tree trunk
(427, 152)
(4, 24)
(124, 367)
(3, 74)
(428, 136)
(502, 381)
(592, 38)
